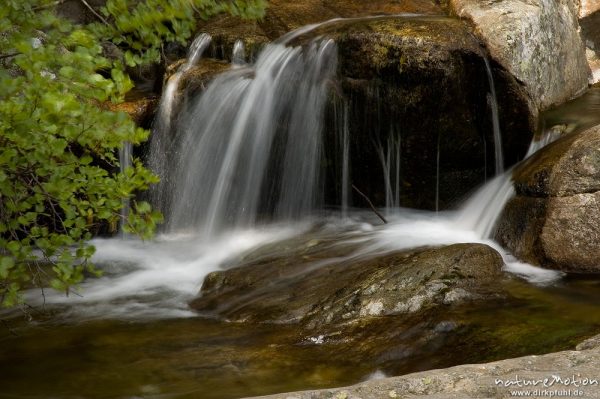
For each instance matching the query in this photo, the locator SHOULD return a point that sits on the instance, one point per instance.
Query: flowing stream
(242, 173)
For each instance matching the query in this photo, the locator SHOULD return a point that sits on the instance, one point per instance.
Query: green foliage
(59, 173)
(141, 28)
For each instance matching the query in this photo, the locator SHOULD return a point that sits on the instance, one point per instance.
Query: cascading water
(261, 151)
(125, 156)
(238, 57)
(390, 159)
(493, 102)
(161, 144)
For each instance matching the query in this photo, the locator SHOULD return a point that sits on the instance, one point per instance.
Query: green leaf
(6, 263)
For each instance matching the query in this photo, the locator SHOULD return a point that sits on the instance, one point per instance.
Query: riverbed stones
(554, 220)
(538, 42)
(569, 371)
(316, 293)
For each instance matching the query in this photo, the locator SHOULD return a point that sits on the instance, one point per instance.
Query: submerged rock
(564, 372)
(326, 293)
(538, 42)
(554, 220)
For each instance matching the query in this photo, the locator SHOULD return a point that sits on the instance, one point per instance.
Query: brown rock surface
(555, 218)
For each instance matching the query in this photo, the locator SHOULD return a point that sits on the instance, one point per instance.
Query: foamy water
(157, 279)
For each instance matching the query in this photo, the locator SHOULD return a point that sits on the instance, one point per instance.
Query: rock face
(490, 380)
(590, 31)
(588, 7)
(314, 294)
(538, 42)
(282, 16)
(422, 85)
(554, 220)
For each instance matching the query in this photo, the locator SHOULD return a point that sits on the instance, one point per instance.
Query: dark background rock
(424, 82)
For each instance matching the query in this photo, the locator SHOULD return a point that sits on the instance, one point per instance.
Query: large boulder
(590, 31)
(538, 42)
(422, 84)
(298, 289)
(283, 16)
(588, 7)
(554, 220)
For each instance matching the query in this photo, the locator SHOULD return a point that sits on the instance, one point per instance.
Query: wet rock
(195, 79)
(554, 220)
(538, 42)
(421, 84)
(566, 371)
(283, 16)
(321, 294)
(141, 110)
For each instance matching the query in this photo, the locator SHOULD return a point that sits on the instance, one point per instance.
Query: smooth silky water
(131, 333)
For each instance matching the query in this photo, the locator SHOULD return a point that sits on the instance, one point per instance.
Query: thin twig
(370, 204)
(4, 56)
(94, 12)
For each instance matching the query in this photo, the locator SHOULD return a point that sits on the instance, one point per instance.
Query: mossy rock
(303, 290)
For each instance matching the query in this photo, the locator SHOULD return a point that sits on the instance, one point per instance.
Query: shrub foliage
(59, 169)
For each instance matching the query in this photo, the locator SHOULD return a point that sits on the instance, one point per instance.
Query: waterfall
(161, 143)
(238, 57)
(390, 158)
(345, 147)
(493, 102)
(481, 211)
(437, 175)
(260, 154)
(125, 154)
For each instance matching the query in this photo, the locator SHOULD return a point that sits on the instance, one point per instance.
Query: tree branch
(370, 204)
(9, 55)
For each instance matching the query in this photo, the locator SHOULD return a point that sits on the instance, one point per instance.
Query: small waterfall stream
(260, 153)
(238, 57)
(125, 157)
(242, 167)
(161, 146)
(493, 103)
